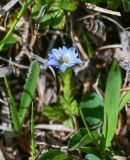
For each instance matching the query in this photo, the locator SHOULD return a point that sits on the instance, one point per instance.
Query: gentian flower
(63, 58)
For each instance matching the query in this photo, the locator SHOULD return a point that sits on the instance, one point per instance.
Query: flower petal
(63, 58)
(63, 68)
(56, 53)
(52, 62)
(77, 61)
(71, 49)
(64, 49)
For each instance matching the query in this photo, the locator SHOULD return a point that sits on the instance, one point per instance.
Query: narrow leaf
(124, 100)
(32, 135)
(111, 104)
(13, 109)
(29, 90)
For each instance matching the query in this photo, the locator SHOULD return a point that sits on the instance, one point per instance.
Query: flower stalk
(67, 84)
(68, 96)
(63, 59)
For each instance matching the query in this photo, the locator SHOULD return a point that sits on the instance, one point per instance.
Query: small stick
(13, 63)
(110, 46)
(95, 86)
(55, 127)
(113, 21)
(99, 9)
(7, 7)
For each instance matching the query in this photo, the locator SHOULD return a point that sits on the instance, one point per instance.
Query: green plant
(18, 117)
(112, 106)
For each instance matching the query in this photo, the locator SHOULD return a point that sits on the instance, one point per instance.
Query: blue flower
(63, 58)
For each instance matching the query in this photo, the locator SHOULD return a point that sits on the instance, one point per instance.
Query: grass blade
(111, 104)
(14, 113)
(32, 135)
(124, 100)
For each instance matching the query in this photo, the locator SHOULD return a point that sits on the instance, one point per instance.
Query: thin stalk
(23, 9)
(91, 136)
(32, 135)
(67, 85)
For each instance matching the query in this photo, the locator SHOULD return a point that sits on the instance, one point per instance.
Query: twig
(3, 29)
(125, 89)
(88, 16)
(99, 9)
(37, 25)
(13, 63)
(55, 127)
(112, 20)
(95, 86)
(76, 41)
(2, 101)
(80, 48)
(110, 46)
(126, 79)
(7, 7)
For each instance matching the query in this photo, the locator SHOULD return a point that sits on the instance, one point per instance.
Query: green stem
(67, 85)
(23, 9)
(32, 135)
(75, 122)
(67, 94)
(91, 136)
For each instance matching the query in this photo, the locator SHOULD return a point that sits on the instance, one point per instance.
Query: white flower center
(64, 60)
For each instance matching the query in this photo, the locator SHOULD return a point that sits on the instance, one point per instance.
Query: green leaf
(40, 3)
(33, 144)
(68, 123)
(29, 90)
(111, 104)
(14, 113)
(55, 113)
(67, 85)
(126, 5)
(82, 138)
(91, 157)
(73, 108)
(54, 12)
(54, 17)
(69, 5)
(92, 109)
(124, 100)
(53, 155)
